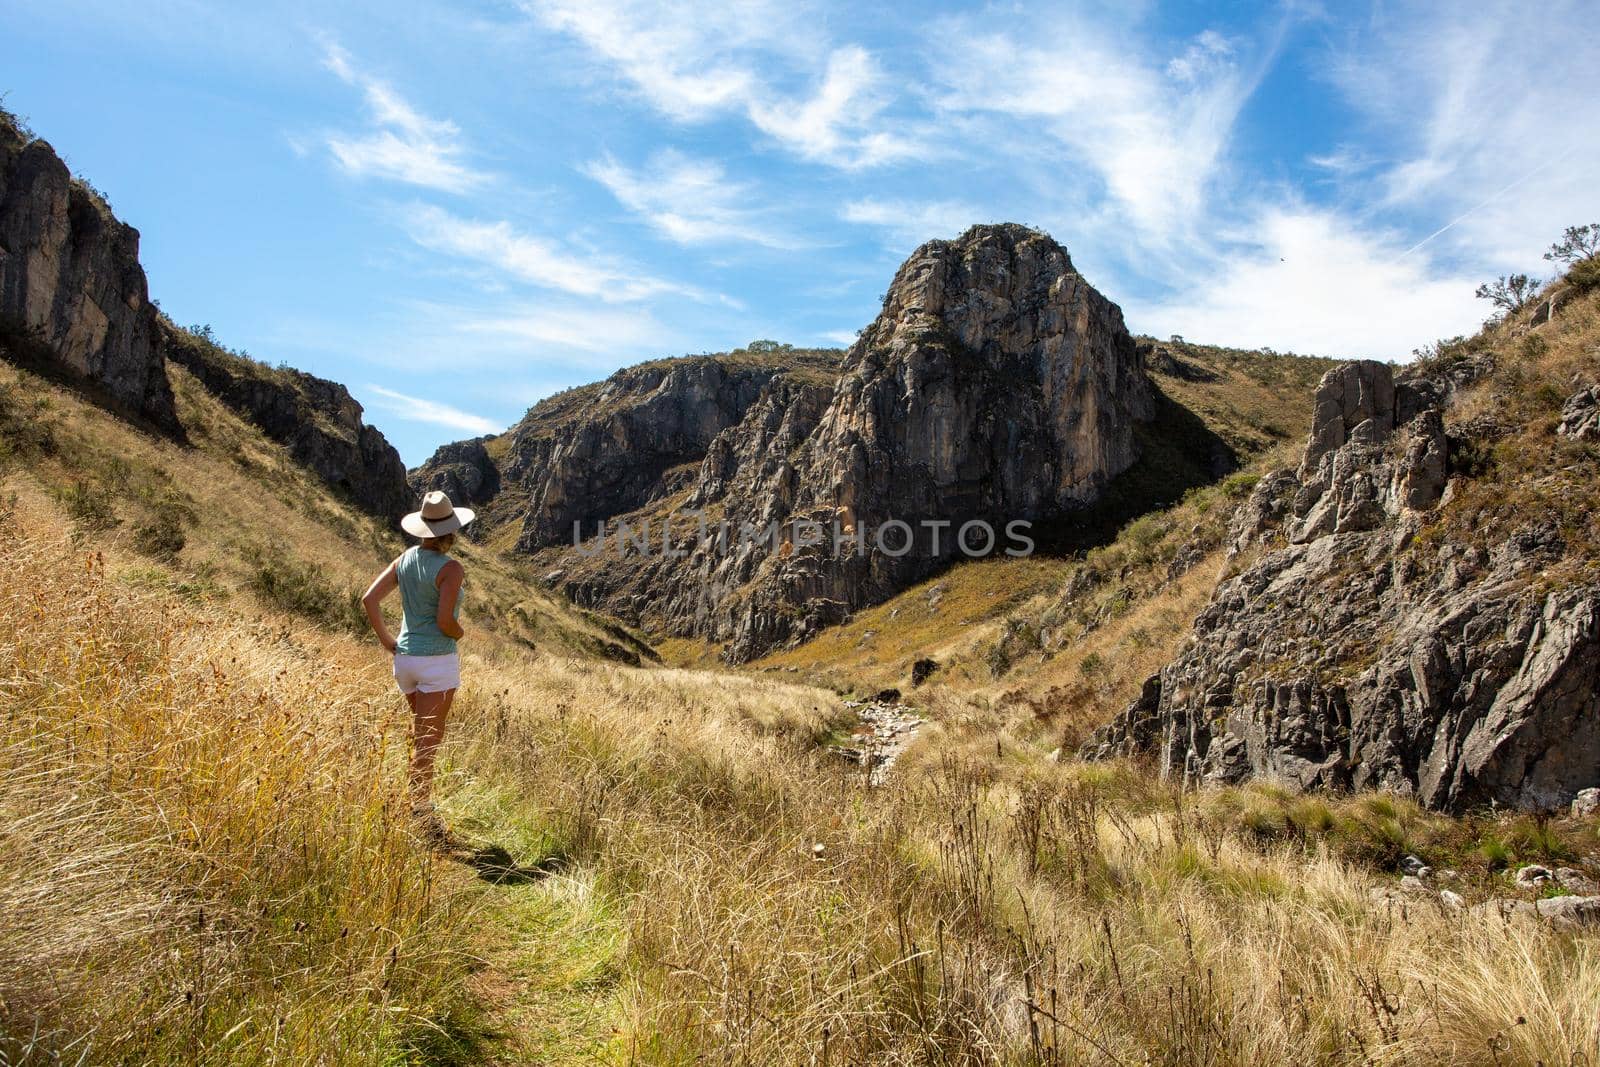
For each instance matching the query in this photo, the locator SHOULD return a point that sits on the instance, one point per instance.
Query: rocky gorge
(996, 384)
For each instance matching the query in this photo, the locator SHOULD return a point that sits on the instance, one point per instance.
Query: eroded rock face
(639, 436)
(70, 281)
(463, 470)
(317, 420)
(996, 384)
(1348, 659)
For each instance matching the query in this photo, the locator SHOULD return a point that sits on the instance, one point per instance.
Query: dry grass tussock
(767, 909)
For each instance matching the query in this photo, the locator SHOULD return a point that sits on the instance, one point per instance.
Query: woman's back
(417, 570)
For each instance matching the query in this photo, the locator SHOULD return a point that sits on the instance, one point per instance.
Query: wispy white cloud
(1309, 281)
(910, 223)
(533, 259)
(573, 328)
(404, 145)
(695, 62)
(416, 409)
(1153, 129)
(1485, 122)
(691, 201)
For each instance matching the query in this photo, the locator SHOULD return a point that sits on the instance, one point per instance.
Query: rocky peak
(73, 297)
(995, 384)
(463, 470)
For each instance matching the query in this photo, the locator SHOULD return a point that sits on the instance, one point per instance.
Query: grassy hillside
(229, 515)
(206, 861)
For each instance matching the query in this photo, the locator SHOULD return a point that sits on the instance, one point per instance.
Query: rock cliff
(1356, 648)
(318, 421)
(603, 450)
(463, 470)
(995, 385)
(73, 297)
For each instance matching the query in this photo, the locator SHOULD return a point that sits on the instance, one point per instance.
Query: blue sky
(458, 209)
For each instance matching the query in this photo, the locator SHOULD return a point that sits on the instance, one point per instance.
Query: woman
(426, 666)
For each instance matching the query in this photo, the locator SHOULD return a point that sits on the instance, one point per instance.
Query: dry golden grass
(175, 761)
(200, 856)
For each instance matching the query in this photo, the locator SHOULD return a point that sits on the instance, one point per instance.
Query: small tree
(1577, 243)
(1509, 293)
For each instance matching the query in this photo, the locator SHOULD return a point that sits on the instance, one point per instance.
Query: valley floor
(206, 861)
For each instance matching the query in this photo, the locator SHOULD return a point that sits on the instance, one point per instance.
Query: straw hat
(437, 517)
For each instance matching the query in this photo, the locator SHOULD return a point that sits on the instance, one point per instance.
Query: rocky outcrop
(464, 471)
(73, 297)
(642, 434)
(318, 421)
(1352, 656)
(995, 385)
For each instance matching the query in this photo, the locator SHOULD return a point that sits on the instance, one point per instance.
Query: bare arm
(451, 575)
(372, 599)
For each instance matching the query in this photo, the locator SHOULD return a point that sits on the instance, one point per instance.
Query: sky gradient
(458, 209)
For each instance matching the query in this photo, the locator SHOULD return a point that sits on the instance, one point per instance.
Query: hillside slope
(228, 513)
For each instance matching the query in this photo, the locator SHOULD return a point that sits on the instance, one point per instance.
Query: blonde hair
(439, 544)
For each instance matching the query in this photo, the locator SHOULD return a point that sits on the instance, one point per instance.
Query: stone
(1580, 883)
(1532, 876)
(74, 301)
(1586, 803)
(1412, 865)
(1580, 415)
(1570, 914)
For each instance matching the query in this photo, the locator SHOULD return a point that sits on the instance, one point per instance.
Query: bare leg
(427, 725)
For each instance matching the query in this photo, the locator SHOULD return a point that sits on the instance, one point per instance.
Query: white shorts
(427, 674)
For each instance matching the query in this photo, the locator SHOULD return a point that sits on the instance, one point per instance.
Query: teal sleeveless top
(418, 569)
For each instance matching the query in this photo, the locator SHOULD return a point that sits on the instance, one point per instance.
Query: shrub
(24, 430)
(89, 505)
(301, 588)
(1238, 486)
(1509, 293)
(162, 537)
(1584, 275)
